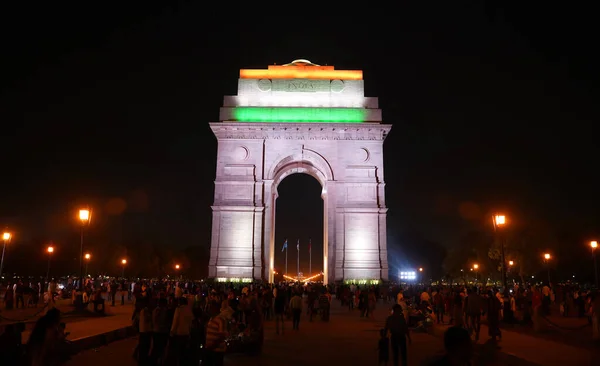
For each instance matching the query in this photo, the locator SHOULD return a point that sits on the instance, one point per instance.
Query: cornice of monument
(300, 131)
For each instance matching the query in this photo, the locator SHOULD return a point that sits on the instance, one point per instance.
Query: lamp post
(88, 256)
(593, 245)
(421, 274)
(84, 217)
(50, 250)
(124, 263)
(475, 268)
(6, 236)
(499, 222)
(547, 257)
(177, 267)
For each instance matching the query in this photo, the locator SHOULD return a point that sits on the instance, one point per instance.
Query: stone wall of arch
(249, 168)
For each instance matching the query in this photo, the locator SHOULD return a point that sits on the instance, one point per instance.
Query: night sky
(108, 105)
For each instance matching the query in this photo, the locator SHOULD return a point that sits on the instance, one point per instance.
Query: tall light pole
(499, 222)
(124, 263)
(6, 236)
(84, 218)
(547, 257)
(50, 250)
(88, 256)
(593, 245)
(475, 268)
(421, 273)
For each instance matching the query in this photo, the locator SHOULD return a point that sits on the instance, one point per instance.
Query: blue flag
(284, 245)
(298, 245)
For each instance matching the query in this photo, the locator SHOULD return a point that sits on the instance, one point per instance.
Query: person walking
(396, 325)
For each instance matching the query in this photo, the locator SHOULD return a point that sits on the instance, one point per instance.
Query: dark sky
(109, 104)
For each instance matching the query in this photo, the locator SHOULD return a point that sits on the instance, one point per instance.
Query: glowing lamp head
(421, 269)
(500, 220)
(50, 250)
(475, 266)
(88, 256)
(593, 244)
(84, 215)
(510, 263)
(123, 261)
(177, 266)
(546, 256)
(6, 236)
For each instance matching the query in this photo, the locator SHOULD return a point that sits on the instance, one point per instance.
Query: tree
(472, 248)
(525, 245)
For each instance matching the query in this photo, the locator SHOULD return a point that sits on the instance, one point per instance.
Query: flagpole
(286, 250)
(309, 257)
(298, 261)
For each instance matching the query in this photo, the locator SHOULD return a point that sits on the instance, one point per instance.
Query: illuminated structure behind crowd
(299, 118)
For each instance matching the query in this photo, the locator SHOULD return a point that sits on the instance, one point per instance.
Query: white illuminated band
(301, 100)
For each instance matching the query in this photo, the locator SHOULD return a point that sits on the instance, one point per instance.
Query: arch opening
(299, 208)
(286, 167)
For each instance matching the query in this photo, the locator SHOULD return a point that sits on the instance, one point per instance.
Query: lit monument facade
(299, 118)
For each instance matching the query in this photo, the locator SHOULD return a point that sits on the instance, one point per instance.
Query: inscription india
(301, 85)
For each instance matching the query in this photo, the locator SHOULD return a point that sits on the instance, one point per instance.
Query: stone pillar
(329, 228)
(257, 254)
(214, 247)
(268, 232)
(340, 233)
(383, 253)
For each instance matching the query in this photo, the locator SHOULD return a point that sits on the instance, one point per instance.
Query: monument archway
(299, 118)
(318, 169)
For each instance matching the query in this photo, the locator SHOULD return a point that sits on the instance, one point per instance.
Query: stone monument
(299, 118)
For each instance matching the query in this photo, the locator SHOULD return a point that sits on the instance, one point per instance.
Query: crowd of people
(181, 323)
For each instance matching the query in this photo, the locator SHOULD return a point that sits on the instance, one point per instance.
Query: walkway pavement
(346, 340)
(534, 350)
(117, 317)
(30, 313)
(574, 331)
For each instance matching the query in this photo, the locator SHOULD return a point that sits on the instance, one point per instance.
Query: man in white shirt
(400, 297)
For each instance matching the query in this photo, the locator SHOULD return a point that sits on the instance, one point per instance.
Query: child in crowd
(383, 348)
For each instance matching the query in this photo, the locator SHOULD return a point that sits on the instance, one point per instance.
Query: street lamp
(499, 222)
(84, 218)
(124, 263)
(511, 263)
(476, 267)
(88, 256)
(50, 250)
(593, 245)
(6, 239)
(547, 257)
(421, 273)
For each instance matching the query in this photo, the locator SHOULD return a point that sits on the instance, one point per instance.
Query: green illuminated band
(330, 115)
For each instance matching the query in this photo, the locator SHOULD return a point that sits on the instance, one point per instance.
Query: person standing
(279, 310)
(396, 325)
(296, 307)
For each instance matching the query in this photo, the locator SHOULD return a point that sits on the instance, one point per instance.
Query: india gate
(299, 118)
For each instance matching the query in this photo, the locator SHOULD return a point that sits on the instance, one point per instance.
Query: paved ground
(30, 313)
(518, 348)
(83, 327)
(571, 330)
(346, 340)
